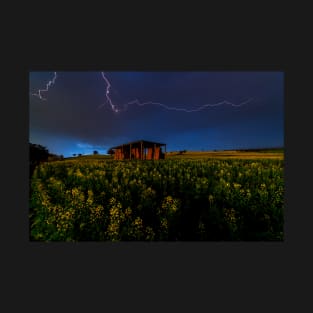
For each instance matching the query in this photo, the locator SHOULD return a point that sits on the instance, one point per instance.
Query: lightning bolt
(137, 102)
(202, 107)
(113, 107)
(48, 85)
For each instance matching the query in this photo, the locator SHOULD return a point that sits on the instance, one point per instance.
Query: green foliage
(210, 199)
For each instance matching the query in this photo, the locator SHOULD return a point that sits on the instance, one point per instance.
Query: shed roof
(146, 143)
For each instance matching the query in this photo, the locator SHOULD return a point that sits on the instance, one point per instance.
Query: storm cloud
(77, 116)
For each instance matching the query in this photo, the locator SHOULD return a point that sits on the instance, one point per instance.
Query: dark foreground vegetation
(210, 199)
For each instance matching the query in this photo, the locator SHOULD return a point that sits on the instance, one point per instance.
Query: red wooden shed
(141, 150)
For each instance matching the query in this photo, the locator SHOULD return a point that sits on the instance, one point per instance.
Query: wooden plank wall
(152, 153)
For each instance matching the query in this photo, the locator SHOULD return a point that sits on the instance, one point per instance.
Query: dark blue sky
(76, 116)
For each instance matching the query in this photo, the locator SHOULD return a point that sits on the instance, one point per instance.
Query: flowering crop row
(157, 200)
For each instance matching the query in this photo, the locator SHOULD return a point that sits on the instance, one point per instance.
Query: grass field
(231, 154)
(227, 155)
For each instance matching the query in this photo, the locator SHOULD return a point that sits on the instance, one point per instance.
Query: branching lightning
(124, 107)
(113, 107)
(48, 85)
(137, 102)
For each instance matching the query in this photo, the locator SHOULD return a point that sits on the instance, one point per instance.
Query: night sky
(77, 117)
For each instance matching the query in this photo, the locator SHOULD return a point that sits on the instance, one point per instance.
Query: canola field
(158, 200)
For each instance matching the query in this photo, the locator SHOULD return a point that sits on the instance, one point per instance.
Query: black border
(140, 275)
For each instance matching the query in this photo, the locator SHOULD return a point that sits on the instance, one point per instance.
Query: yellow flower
(237, 186)
(164, 223)
(128, 212)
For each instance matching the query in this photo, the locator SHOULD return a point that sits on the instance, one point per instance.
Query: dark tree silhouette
(95, 152)
(111, 152)
(37, 154)
(79, 154)
(74, 154)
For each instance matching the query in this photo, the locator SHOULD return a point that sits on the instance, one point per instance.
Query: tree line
(39, 154)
